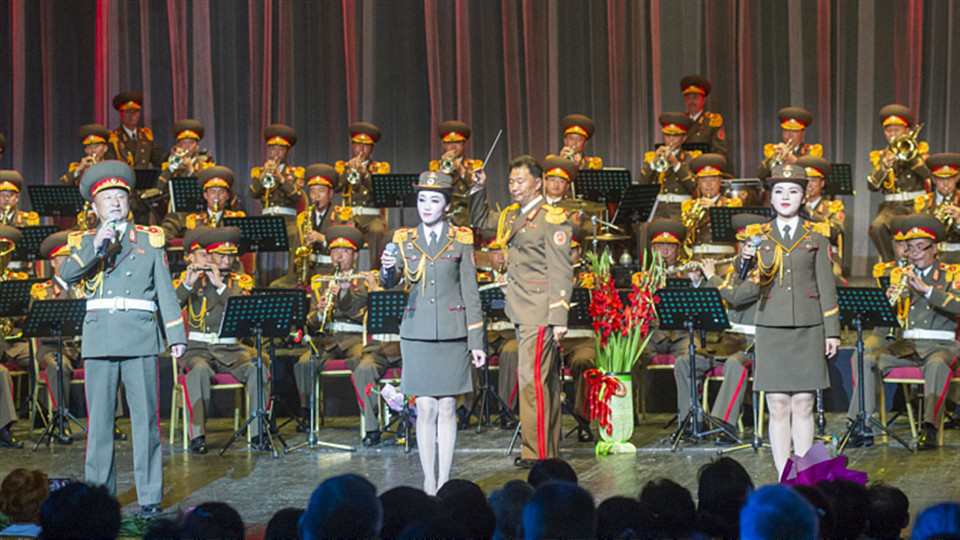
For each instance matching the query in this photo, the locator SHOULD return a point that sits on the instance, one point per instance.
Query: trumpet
(900, 285)
(785, 150)
(567, 152)
(176, 160)
(941, 213)
(694, 265)
(660, 164)
(448, 164)
(353, 174)
(905, 147)
(271, 175)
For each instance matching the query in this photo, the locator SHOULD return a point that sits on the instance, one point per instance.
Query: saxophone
(691, 220)
(6, 253)
(301, 260)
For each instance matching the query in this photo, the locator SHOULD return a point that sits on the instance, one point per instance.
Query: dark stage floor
(257, 484)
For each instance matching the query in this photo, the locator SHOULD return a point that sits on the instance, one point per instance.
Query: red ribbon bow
(600, 389)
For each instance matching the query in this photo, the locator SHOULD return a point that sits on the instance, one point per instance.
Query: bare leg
(779, 405)
(802, 423)
(446, 437)
(427, 440)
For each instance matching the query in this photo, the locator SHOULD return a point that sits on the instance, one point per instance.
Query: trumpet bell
(269, 181)
(353, 177)
(448, 165)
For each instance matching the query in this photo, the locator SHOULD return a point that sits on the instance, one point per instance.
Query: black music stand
(394, 191)
(603, 185)
(146, 178)
(384, 311)
(865, 307)
(720, 216)
(59, 319)
(694, 310)
(186, 195)
(260, 234)
(492, 303)
(14, 302)
(637, 205)
(28, 249)
(578, 316)
(840, 180)
(55, 201)
(261, 315)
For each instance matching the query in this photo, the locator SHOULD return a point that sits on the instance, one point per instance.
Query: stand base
(58, 419)
(861, 423)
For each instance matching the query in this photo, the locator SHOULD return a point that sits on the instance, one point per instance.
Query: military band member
(794, 122)
(441, 330)
(709, 170)
(823, 210)
(277, 184)
(134, 145)
(94, 139)
(13, 350)
(538, 292)
(217, 184)
(204, 292)
(944, 203)
(454, 134)
(877, 338)
(126, 280)
(669, 166)
(707, 126)
(342, 304)
(577, 130)
(797, 323)
(357, 185)
(929, 321)
(559, 175)
(900, 181)
(11, 184)
(186, 157)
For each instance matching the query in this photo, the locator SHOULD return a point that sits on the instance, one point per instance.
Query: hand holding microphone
(388, 265)
(747, 255)
(105, 235)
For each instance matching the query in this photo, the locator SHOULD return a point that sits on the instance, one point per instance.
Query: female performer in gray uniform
(797, 322)
(442, 323)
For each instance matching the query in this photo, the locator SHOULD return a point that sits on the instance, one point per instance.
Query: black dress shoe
(198, 445)
(118, 435)
(506, 423)
(7, 440)
(524, 463)
(303, 425)
(371, 439)
(150, 511)
(928, 439)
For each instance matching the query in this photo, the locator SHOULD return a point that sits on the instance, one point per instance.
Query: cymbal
(608, 237)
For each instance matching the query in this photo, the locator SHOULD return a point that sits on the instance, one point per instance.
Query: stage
(257, 484)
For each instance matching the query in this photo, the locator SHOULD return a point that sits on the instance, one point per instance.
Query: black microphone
(747, 264)
(104, 246)
(389, 274)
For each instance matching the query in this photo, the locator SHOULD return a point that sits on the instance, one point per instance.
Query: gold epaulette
(147, 132)
(715, 119)
(19, 276)
(768, 150)
(381, 167)
(113, 139)
(157, 238)
(401, 235)
(434, 166)
(835, 207)
(587, 279)
(255, 172)
(73, 166)
(881, 267)
(648, 157)
(953, 273)
(474, 164)
(875, 157)
(594, 163)
(32, 218)
(463, 235)
(340, 166)
(343, 213)
(756, 229)
(555, 214)
(298, 172)
(232, 213)
(732, 203)
(74, 239)
(204, 165)
(821, 227)
(316, 282)
(920, 202)
(484, 276)
(244, 280)
(39, 290)
(923, 148)
(815, 150)
(693, 154)
(192, 220)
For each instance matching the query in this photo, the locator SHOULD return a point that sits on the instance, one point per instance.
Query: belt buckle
(119, 303)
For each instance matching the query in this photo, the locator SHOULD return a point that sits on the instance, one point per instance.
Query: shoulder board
(255, 172)
(298, 172)
(381, 167)
(755, 229)
(881, 267)
(39, 290)
(816, 150)
(923, 147)
(694, 153)
(165, 165)
(734, 202)
(586, 280)
(401, 235)
(147, 132)
(75, 237)
(340, 166)
(231, 213)
(595, 163)
(555, 215)
(822, 228)
(685, 205)
(113, 138)
(768, 150)
(715, 119)
(192, 220)
(484, 276)
(244, 280)
(463, 235)
(73, 166)
(648, 157)
(32, 218)
(157, 238)
(875, 157)
(474, 164)
(343, 213)
(920, 202)
(434, 166)
(835, 207)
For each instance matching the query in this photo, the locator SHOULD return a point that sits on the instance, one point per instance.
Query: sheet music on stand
(15, 296)
(494, 303)
(840, 180)
(186, 195)
(394, 190)
(55, 201)
(869, 304)
(603, 185)
(31, 237)
(704, 307)
(720, 217)
(637, 204)
(146, 178)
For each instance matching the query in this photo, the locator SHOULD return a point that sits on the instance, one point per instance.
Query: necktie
(786, 233)
(433, 238)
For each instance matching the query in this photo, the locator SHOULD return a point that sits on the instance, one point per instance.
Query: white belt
(320, 258)
(908, 196)
(338, 326)
(672, 197)
(211, 338)
(712, 248)
(385, 337)
(364, 211)
(279, 211)
(947, 246)
(920, 333)
(497, 326)
(575, 333)
(743, 328)
(121, 303)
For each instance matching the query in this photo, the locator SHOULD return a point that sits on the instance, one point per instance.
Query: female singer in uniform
(797, 315)
(441, 328)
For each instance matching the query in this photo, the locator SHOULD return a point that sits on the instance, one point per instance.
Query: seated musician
(901, 175)
(878, 337)
(709, 170)
(11, 184)
(669, 166)
(501, 335)
(357, 187)
(823, 210)
(577, 130)
(277, 183)
(559, 175)
(94, 138)
(186, 157)
(944, 202)
(13, 347)
(741, 299)
(454, 135)
(206, 286)
(929, 321)
(794, 122)
(707, 126)
(338, 310)
(217, 184)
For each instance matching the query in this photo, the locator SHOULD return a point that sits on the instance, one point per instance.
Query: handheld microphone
(389, 274)
(747, 264)
(104, 246)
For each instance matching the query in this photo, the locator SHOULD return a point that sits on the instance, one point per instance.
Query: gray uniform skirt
(790, 359)
(435, 368)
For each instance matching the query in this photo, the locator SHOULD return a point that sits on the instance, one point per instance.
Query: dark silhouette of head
(344, 506)
(402, 506)
(619, 517)
(464, 503)
(100, 511)
(889, 511)
(553, 469)
(283, 524)
(851, 505)
(724, 486)
(507, 504)
(212, 520)
(559, 510)
(941, 521)
(667, 509)
(778, 512)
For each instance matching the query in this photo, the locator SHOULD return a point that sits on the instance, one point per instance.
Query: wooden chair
(907, 377)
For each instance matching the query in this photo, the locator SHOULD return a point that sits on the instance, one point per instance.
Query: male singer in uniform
(126, 279)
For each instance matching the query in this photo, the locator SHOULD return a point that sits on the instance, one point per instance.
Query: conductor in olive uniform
(539, 288)
(707, 126)
(130, 302)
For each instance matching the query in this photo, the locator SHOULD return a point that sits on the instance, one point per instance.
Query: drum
(748, 190)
